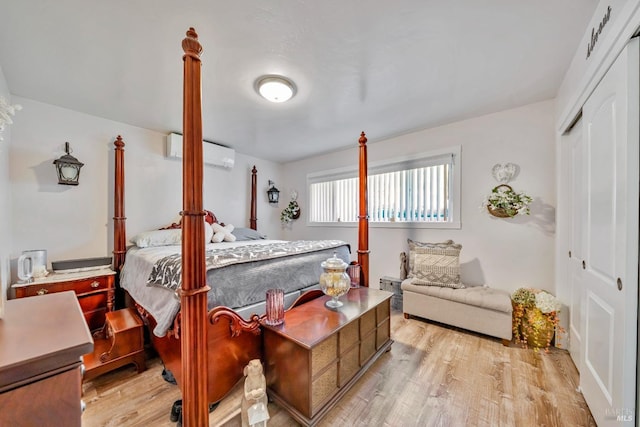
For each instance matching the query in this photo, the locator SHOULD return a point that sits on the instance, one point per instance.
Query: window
(421, 190)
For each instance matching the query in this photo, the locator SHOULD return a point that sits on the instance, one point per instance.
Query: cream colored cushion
(435, 264)
(479, 296)
(413, 244)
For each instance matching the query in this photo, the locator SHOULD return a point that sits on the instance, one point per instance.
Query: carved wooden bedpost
(363, 217)
(254, 210)
(119, 229)
(193, 295)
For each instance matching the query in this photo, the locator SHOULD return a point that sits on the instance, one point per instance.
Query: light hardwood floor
(432, 376)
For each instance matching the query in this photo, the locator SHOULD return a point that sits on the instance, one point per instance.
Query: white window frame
(404, 162)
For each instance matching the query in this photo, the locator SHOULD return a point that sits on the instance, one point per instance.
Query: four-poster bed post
(253, 219)
(119, 229)
(363, 217)
(207, 351)
(193, 294)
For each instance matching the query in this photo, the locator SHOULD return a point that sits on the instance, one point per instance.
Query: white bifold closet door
(607, 206)
(575, 198)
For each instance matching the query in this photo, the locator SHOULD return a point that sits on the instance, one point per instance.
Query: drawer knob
(95, 284)
(43, 291)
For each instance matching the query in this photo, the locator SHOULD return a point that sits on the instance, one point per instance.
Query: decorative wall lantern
(68, 168)
(273, 193)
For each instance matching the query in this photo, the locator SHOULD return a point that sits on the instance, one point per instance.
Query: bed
(195, 334)
(238, 274)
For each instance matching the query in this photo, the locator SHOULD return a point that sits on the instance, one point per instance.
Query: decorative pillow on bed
(221, 233)
(167, 237)
(435, 264)
(208, 232)
(243, 233)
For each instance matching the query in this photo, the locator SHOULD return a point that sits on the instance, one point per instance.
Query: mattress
(237, 284)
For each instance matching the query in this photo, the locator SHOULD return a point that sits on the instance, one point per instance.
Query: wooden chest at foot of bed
(319, 353)
(120, 343)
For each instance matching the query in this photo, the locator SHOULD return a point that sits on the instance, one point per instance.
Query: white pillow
(222, 233)
(158, 238)
(208, 232)
(172, 236)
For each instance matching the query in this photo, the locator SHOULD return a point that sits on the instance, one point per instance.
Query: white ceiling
(385, 67)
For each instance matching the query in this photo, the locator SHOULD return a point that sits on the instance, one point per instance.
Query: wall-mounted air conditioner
(212, 154)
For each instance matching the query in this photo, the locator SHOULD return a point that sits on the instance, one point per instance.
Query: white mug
(25, 267)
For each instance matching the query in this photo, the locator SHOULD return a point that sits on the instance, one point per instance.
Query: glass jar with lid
(334, 281)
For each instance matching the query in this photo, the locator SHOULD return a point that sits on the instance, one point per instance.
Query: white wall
(76, 221)
(5, 196)
(504, 253)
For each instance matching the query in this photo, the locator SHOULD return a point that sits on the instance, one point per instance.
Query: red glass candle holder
(353, 270)
(275, 307)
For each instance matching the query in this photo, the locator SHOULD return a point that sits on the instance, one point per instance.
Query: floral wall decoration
(504, 201)
(292, 211)
(6, 112)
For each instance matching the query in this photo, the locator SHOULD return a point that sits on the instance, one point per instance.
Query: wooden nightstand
(94, 289)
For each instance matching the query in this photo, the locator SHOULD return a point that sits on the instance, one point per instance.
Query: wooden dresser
(41, 344)
(318, 353)
(95, 291)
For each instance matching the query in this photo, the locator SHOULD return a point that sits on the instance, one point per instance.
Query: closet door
(576, 200)
(610, 243)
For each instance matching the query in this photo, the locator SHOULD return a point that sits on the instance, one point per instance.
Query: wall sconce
(273, 193)
(68, 168)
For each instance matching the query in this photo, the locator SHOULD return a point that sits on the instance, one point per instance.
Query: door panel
(610, 116)
(602, 197)
(576, 312)
(599, 359)
(577, 201)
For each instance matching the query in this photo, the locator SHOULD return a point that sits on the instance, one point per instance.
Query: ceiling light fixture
(275, 88)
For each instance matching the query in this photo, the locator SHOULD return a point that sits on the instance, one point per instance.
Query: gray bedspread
(236, 280)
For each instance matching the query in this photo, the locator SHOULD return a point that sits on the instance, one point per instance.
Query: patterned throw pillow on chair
(435, 264)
